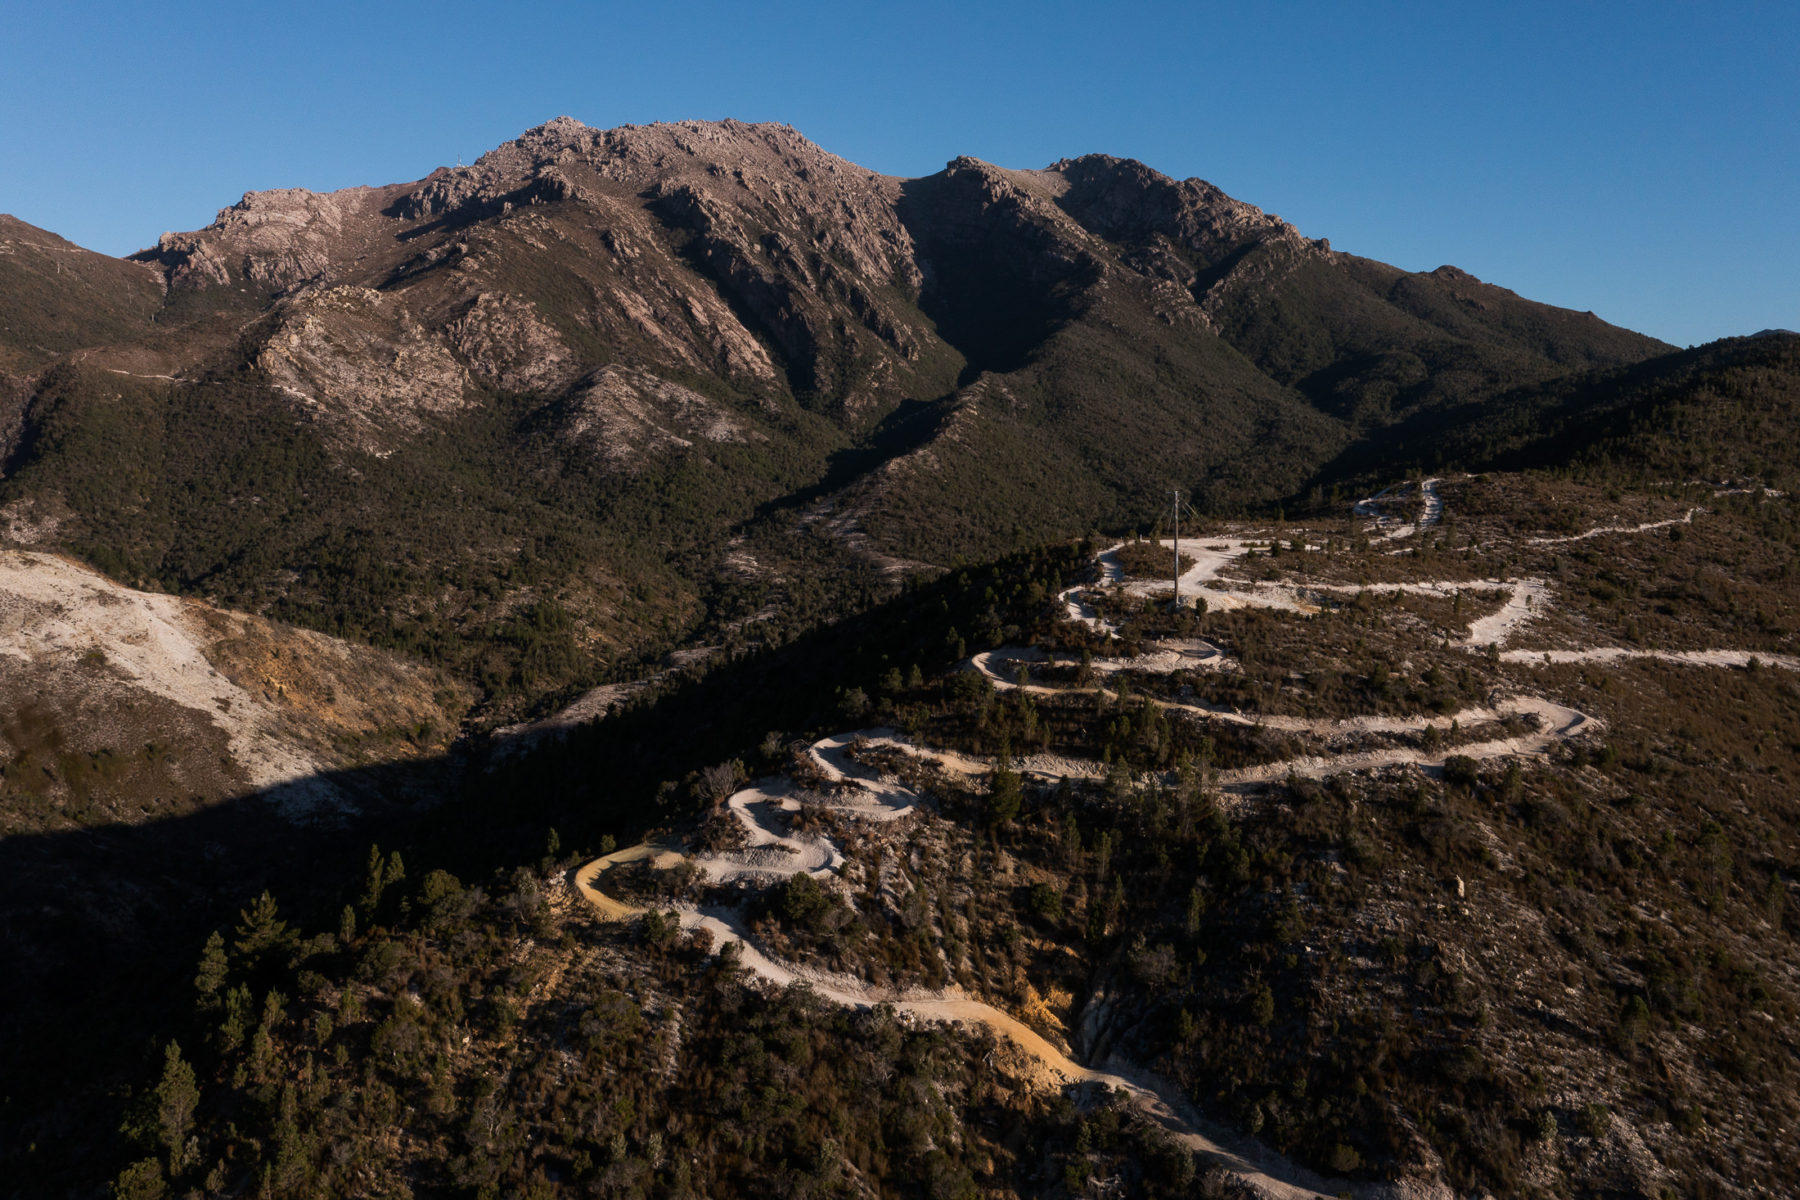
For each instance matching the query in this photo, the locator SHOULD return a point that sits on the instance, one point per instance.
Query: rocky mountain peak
(745, 249)
(565, 159)
(1121, 199)
(274, 238)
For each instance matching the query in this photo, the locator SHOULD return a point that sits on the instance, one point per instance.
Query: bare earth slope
(119, 705)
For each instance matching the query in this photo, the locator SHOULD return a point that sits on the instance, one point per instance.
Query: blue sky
(1640, 160)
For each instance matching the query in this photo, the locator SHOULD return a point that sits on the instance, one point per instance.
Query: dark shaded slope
(1721, 411)
(1362, 340)
(999, 272)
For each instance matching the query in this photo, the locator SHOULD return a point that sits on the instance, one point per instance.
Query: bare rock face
(767, 169)
(621, 414)
(736, 249)
(504, 341)
(356, 361)
(274, 239)
(800, 245)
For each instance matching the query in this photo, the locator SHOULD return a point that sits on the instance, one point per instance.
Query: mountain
(902, 837)
(695, 373)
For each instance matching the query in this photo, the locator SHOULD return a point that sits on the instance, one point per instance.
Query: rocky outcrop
(1124, 201)
(356, 361)
(273, 239)
(1186, 232)
(621, 414)
(506, 343)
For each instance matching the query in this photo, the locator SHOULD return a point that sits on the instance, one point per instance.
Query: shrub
(142, 1180)
(803, 901)
(1262, 1004)
(1594, 1119)
(1461, 771)
(1047, 901)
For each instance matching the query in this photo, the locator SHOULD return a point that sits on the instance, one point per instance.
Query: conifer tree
(177, 1096)
(211, 975)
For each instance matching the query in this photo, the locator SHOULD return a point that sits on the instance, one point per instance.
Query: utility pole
(1176, 526)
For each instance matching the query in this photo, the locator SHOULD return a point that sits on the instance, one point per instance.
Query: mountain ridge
(882, 359)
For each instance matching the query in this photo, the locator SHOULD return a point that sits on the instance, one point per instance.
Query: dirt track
(889, 800)
(771, 852)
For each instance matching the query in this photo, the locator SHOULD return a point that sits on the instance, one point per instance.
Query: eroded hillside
(126, 706)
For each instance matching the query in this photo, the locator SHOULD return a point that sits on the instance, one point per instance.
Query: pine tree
(236, 1020)
(260, 929)
(211, 975)
(177, 1096)
(376, 880)
(1005, 795)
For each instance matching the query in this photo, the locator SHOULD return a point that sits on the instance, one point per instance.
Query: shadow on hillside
(101, 929)
(913, 424)
(100, 932)
(991, 291)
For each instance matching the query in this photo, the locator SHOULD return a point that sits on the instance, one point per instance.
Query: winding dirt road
(1266, 1175)
(771, 851)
